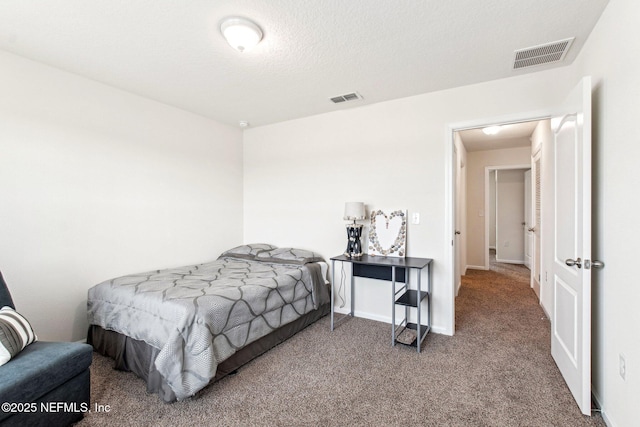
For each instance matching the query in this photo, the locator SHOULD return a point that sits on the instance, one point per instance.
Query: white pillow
(15, 334)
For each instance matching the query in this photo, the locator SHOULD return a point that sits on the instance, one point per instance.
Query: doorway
(459, 218)
(508, 211)
(491, 161)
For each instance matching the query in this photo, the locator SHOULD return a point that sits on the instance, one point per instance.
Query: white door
(571, 319)
(528, 221)
(456, 222)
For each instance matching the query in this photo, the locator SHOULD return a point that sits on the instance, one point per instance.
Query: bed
(182, 328)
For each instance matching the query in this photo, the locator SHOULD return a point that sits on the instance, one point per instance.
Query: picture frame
(388, 233)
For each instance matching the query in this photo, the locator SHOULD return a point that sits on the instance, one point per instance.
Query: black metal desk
(394, 270)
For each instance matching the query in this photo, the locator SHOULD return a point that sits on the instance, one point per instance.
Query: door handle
(571, 262)
(532, 229)
(457, 232)
(593, 264)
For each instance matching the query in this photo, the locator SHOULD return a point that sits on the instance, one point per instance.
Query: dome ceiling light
(241, 33)
(491, 130)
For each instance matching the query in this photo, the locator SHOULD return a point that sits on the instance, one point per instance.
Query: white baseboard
(440, 330)
(544, 310)
(364, 315)
(371, 316)
(476, 267)
(387, 319)
(510, 261)
(608, 421)
(536, 288)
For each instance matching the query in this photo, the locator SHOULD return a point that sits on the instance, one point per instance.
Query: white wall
(610, 57)
(477, 163)
(96, 183)
(510, 215)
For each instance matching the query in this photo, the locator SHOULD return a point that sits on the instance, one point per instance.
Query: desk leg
(393, 306)
(333, 286)
(429, 295)
(419, 310)
(353, 300)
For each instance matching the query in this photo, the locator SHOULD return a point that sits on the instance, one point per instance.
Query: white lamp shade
(241, 33)
(354, 211)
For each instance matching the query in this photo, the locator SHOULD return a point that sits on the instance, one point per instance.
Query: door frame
(487, 171)
(536, 158)
(528, 218)
(450, 193)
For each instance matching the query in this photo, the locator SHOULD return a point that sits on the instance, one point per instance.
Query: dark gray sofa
(49, 380)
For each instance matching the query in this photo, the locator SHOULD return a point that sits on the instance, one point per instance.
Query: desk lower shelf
(412, 298)
(424, 330)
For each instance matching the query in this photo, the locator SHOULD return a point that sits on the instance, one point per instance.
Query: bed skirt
(138, 357)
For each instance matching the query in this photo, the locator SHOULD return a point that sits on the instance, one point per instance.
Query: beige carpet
(495, 371)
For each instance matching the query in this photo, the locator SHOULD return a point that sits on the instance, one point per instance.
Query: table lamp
(354, 211)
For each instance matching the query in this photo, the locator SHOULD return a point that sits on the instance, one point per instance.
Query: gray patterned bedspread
(198, 316)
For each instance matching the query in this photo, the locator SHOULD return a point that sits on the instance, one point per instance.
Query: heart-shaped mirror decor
(388, 233)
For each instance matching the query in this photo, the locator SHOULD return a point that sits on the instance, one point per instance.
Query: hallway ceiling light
(241, 33)
(491, 130)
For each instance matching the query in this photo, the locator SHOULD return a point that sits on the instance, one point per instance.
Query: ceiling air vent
(344, 98)
(542, 54)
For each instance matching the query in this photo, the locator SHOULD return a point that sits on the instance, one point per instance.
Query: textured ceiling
(172, 51)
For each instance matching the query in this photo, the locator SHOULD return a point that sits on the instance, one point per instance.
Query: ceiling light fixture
(241, 33)
(491, 130)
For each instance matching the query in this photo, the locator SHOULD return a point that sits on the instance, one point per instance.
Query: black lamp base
(354, 246)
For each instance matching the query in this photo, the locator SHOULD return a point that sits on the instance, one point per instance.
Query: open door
(571, 272)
